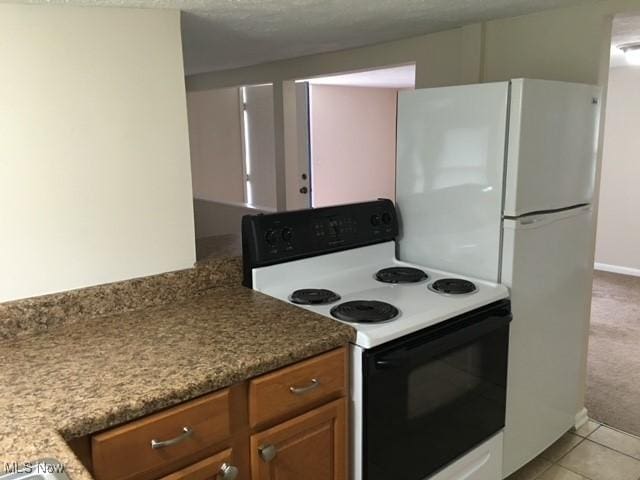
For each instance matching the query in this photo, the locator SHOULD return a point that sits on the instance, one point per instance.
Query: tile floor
(594, 452)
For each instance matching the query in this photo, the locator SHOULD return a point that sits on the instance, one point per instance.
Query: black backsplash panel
(269, 239)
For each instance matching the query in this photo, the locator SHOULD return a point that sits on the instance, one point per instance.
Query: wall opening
(352, 134)
(231, 134)
(612, 394)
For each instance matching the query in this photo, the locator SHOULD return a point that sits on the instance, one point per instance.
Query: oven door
(434, 395)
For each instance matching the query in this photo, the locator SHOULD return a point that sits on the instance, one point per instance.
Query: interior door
(553, 142)
(450, 163)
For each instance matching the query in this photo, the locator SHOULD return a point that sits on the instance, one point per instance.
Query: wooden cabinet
(164, 441)
(310, 447)
(211, 468)
(289, 424)
(297, 388)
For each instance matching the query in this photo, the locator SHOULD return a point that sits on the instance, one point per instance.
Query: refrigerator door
(546, 264)
(449, 177)
(551, 155)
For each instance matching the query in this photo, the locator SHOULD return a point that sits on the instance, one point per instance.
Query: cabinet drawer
(158, 441)
(207, 469)
(294, 389)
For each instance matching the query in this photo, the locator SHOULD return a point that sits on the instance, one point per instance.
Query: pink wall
(353, 144)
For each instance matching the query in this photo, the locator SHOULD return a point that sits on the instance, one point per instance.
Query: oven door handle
(388, 363)
(433, 345)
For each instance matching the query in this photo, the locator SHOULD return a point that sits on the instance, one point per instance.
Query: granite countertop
(80, 378)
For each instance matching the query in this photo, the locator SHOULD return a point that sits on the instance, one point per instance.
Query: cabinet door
(217, 467)
(312, 446)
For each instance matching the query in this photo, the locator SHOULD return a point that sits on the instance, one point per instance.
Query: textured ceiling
(626, 29)
(221, 34)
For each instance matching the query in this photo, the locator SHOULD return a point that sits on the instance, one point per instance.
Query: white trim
(617, 269)
(312, 174)
(246, 150)
(357, 412)
(582, 417)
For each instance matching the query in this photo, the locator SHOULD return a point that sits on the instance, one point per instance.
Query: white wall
(216, 145)
(95, 183)
(618, 236)
(353, 144)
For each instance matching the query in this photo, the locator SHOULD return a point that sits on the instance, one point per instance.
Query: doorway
(231, 132)
(613, 384)
(352, 134)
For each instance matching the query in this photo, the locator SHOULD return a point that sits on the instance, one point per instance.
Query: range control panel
(268, 239)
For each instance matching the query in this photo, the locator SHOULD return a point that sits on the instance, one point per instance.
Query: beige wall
(95, 183)
(353, 144)
(618, 236)
(561, 44)
(438, 58)
(216, 145)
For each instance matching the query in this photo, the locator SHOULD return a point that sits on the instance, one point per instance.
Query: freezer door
(551, 154)
(546, 264)
(450, 163)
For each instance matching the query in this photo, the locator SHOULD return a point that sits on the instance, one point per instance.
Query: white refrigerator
(496, 181)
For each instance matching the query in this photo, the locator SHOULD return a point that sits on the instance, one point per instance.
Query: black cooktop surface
(365, 311)
(401, 275)
(313, 296)
(453, 286)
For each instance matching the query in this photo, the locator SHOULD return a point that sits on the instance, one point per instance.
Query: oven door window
(428, 403)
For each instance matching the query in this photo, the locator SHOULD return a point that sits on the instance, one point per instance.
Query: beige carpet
(613, 384)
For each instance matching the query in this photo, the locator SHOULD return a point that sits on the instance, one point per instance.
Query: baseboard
(582, 417)
(617, 269)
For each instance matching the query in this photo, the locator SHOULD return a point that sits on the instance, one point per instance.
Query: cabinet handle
(267, 452)
(302, 390)
(186, 433)
(227, 472)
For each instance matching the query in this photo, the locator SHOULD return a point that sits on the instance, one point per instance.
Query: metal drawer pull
(267, 452)
(186, 433)
(227, 472)
(302, 390)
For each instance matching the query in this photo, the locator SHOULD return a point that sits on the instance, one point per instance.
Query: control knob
(287, 234)
(271, 237)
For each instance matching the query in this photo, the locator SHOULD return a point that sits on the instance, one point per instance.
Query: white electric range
(428, 364)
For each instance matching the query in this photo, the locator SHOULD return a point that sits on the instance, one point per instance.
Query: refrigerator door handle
(533, 221)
